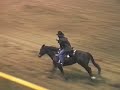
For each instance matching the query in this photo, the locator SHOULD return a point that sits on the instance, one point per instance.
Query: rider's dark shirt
(64, 43)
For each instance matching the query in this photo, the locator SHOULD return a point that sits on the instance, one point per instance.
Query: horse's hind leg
(88, 69)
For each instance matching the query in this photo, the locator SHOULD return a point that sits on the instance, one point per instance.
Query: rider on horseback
(65, 46)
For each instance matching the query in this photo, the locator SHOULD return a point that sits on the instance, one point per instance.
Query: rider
(65, 46)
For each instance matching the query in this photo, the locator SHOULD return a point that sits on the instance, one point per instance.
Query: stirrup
(56, 54)
(59, 61)
(68, 56)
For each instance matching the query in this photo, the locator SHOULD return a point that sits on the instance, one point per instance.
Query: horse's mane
(53, 48)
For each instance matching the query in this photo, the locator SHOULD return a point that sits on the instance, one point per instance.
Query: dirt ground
(90, 25)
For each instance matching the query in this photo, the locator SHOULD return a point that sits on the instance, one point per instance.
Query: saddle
(68, 54)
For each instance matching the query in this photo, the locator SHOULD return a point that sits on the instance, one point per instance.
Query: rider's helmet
(60, 33)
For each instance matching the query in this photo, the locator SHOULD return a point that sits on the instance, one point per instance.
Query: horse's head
(42, 51)
(49, 50)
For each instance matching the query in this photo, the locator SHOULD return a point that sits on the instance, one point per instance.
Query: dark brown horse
(80, 57)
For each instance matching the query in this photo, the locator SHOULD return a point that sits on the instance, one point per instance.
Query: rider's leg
(61, 55)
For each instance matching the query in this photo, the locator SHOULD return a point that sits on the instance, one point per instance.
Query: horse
(81, 57)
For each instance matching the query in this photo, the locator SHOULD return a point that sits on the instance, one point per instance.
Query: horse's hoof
(93, 77)
(66, 79)
(50, 77)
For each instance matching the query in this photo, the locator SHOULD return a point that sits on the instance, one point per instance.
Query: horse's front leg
(62, 71)
(53, 70)
(54, 67)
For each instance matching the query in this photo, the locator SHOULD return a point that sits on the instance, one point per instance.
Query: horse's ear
(43, 45)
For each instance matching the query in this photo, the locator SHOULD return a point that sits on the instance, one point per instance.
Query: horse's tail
(95, 64)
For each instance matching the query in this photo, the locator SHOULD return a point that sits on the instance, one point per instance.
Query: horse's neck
(51, 54)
